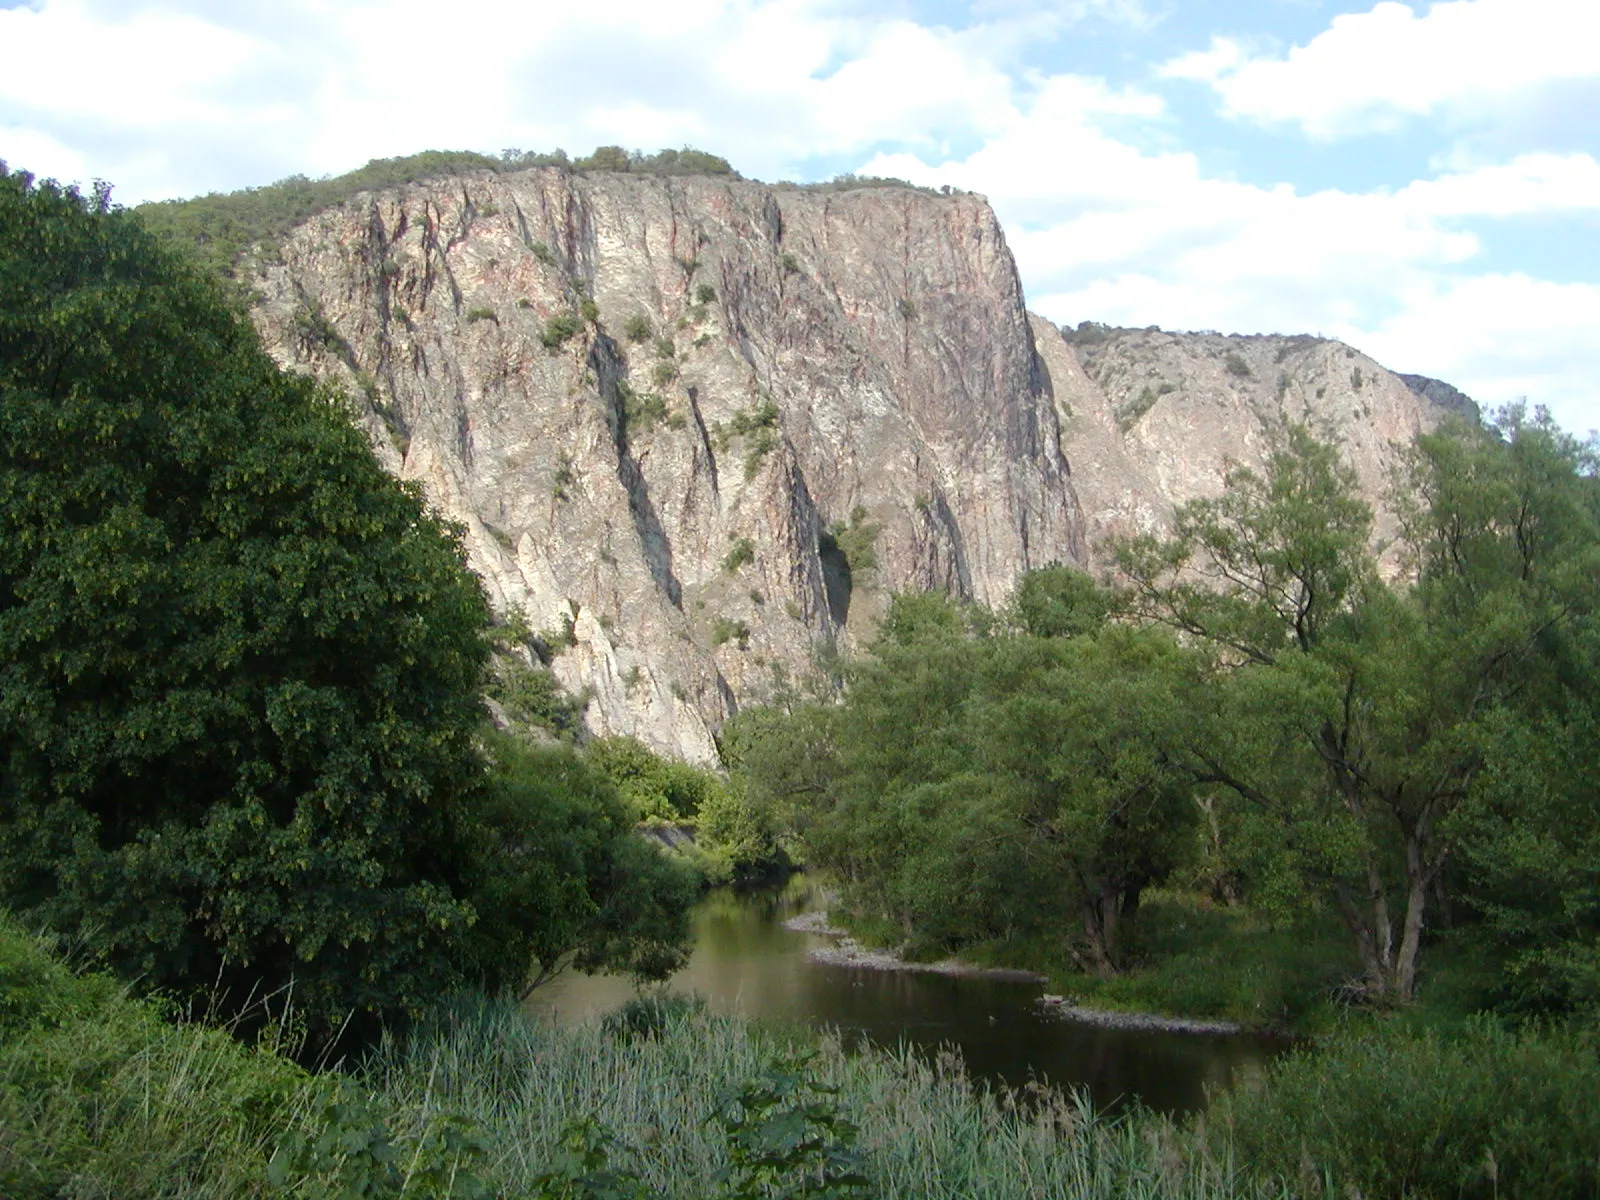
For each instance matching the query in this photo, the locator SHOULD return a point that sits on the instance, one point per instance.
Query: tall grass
(926, 1129)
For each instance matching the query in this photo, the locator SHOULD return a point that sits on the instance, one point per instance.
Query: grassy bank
(102, 1096)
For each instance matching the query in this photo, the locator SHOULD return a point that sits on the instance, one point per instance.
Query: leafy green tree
(240, 663)
(241, 666)
(562, 878)
(1351, 713)
(1075, 734)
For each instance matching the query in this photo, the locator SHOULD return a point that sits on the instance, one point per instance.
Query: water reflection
(745, 961)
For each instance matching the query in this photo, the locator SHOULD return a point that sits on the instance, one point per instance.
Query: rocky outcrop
(1152, 419)
(695, 430)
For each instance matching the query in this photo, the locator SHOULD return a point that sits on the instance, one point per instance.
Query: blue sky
(1417, 178)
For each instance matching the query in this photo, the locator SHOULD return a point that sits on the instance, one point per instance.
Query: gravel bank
(847, 952)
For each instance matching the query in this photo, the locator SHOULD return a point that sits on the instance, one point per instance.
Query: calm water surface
(745, 961)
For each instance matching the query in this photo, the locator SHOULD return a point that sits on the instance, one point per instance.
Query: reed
(927, 1130)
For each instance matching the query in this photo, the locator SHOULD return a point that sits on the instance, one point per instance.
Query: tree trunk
(1419, 875)
(1100, 914)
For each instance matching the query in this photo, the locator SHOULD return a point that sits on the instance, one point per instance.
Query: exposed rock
(848, 952)
(851, 360)
(1152, 419)
(1113, 1018)
(698, 430)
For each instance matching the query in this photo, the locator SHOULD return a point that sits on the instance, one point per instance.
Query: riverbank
(1193, 967)
(848, 952)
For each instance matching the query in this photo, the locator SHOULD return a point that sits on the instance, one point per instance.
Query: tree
(561, 876)
(1351, 712)
(240, 665)
(1075, 733)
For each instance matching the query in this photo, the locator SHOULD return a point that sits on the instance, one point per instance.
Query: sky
(1418, 179)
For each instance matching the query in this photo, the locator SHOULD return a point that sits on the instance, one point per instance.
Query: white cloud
(1105, 231)
(1367, 71)
(172, 97)
(1501, 338)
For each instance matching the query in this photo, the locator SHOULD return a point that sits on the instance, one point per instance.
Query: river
(745, 961)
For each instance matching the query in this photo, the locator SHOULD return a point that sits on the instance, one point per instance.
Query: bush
(239, 663)
(559, 329)
(638, 328)
(1400, 1113)
(650, 1014)
(481, 313)
(741, 551)
(730, 630)
(1235, 364)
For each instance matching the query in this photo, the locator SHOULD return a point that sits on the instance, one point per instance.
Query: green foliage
(664, 372)
(562, 479)
(741, 552)
(530, 696)
(560, 875)
(1350, 718)
(926, 1132)
(788, 1138)
(790, 264)
(559, 329)
(217, 229)
(908, 308)
(351, 1150)
(581, 1169)
(638, 328)
(730, 629)
(1059, 601)
(641, 411)
(589, 311)
(240, 661)
(1234, 364)
(705, 294)
(686, 161)
(1396, 1113)
(856, 541)
(990, 785)
(481, 313)
(651, 1014)
(654, 788)
(315, 329)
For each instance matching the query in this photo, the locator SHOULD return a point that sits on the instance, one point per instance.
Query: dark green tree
(239, 664)
(561, 876)
(1352, 715)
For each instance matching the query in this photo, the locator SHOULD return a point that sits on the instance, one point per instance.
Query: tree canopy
(241, 666)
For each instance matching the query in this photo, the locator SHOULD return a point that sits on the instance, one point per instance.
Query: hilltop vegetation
(219, 228)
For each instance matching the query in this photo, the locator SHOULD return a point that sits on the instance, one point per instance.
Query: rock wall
(1152, 419)
(698, 431)
(707, 426)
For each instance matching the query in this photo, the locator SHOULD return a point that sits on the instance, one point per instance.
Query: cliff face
(707, 426)
(699, 430)
(1152, 419)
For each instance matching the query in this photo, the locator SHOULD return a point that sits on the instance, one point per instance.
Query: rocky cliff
(1151, 419)
(698, 430)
